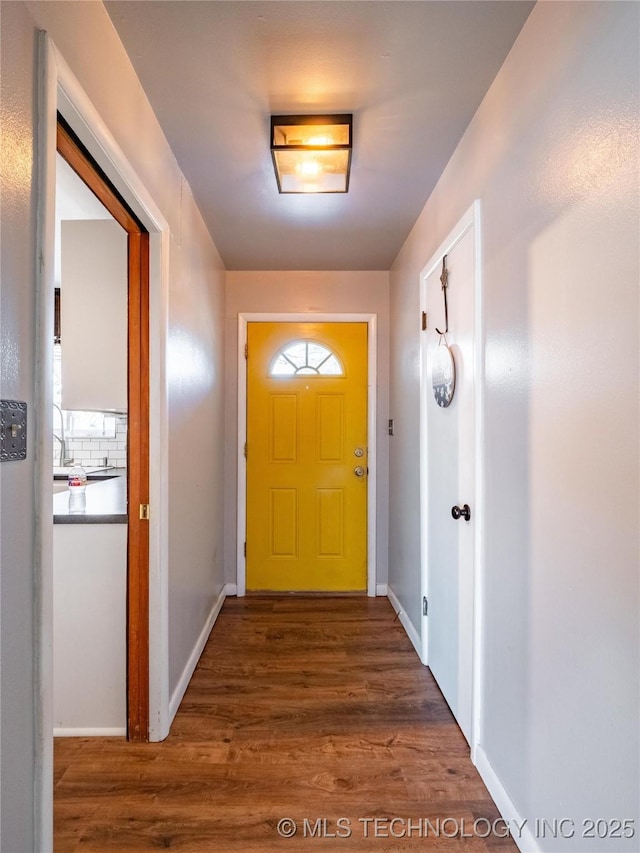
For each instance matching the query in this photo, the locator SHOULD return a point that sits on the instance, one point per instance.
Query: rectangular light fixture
(312, 154)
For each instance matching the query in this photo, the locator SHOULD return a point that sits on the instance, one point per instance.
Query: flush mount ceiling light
(312, 154)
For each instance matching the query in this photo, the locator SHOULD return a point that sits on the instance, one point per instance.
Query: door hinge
(246, 350)
(245, 450)
(245, 549)
(425, 606)
(144, 512)
(424, 321)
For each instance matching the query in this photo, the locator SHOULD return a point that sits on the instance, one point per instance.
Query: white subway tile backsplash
(91, 452)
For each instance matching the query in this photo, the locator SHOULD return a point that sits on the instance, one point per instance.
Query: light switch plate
(13, 430)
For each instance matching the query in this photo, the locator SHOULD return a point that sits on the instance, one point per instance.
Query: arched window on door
(306, 358)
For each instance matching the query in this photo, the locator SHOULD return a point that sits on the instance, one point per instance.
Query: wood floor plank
(302, 707)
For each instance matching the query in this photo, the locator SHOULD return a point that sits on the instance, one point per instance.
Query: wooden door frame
(471, 219)
(371, 319)
(138, 428)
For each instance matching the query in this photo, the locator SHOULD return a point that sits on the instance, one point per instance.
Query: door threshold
(304, 593)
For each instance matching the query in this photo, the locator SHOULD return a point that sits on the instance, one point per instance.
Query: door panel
(450, 482)
(283, 427)
(330, 523)
(330, 432)
(284, 523)
(306, 508)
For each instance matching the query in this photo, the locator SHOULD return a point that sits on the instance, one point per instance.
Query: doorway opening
(137, 405)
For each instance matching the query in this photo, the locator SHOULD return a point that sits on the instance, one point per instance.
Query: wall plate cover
(13, 430)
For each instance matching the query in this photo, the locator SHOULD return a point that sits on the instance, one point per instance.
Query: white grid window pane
(282, 367)
(331, 367)
(296, 353)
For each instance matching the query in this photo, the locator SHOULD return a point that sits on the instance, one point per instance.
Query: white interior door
(448, 479)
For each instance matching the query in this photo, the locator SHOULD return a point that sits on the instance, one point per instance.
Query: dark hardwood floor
(311, 709)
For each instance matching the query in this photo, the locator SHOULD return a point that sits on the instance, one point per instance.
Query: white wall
(17, 499)
(85, 37)
(552, 154)
(195, 362)
(302, 292)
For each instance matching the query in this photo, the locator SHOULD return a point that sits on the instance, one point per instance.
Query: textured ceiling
(412, 73)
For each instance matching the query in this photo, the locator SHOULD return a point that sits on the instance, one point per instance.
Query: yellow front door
(307, 456)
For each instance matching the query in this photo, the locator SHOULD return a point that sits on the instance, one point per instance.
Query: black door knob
(461, 512)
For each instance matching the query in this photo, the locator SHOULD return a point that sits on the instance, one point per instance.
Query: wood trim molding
(85, 169)
(138, 472)
(138, 437)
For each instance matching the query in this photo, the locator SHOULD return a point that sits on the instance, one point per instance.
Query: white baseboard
(231, 589)
(381, 589)
(407, 624)
(194, 657)
(84, 732)
(521, 829)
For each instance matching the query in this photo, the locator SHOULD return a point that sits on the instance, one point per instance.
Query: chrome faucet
(62, 449)
(64, 459)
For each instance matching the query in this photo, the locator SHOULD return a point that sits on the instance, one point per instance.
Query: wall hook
(444, 278)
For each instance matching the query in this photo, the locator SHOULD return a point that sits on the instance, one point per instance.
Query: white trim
(519, 826)
(159, 719)
(479, 497)
(194, 657)
(77, 108)
(241, 575)
(406, 623)
(99, 732)
(471, 219)
(60, 89)
(382, 589)
(372, 369)
(43, 550)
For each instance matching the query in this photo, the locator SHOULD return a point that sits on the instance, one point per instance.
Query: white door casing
(449, 445)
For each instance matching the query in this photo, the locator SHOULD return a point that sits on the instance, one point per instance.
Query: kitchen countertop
(106, 500)
(98, 473)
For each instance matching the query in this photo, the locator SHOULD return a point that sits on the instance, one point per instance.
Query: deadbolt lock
(359, 452)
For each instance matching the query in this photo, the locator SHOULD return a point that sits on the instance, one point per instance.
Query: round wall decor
(443, 375)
